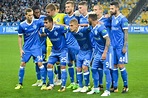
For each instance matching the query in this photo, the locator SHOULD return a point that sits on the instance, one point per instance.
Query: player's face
(37, 13)
(73, 27)
(113, 10)
(49, 12)
(29, 16)
(68, 8)
(97, 10)
(48, 24)
(82, 8)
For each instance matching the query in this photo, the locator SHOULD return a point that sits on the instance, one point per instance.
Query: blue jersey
(107, 24)
(70, 40)
(83, 38)
(119, 23)
(30, 33)
(57, 37)
(83, 19)
(99, 33)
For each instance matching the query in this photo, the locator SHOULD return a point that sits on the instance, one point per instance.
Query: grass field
(10, 60)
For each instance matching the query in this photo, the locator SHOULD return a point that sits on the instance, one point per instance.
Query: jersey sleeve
(20, 30)
(63, 29)
(124, 23)
(103, 31)
(42, 30)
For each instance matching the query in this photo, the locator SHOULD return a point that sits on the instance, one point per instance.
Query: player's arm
(42, 32)
(106, 47)
(124, 26)
(20, 45)
(125, 40)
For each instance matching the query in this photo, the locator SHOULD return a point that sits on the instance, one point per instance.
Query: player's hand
(103, 56)
(124, 49)
(22, 52)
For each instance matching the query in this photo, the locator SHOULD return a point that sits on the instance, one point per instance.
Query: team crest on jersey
(58, 20)
(55, 33)
(34, 26)
(81, 34)
(117, 21)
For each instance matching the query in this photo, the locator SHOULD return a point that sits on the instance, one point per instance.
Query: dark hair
(36, 7)
(93, 16)
(115, 3)
(28, 10)
(83, 3)
(49, 18)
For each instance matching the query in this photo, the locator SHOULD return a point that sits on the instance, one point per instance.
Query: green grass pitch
(10, 61)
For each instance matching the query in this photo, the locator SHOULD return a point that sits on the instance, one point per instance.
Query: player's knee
(39, 64)
(121, 66)
(106, 71)
(63, 67)
(85, 68)
(23, 64)
(115, 66)
(79, 69)
(49, 66)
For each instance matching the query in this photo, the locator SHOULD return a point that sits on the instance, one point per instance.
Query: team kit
(73, 45)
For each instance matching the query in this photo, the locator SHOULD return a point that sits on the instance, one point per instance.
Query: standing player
(58, 18)
(98, 9)
(59, 51)
(72, 44)
(84, 56)
(37, 15)
(29, 29)
(119, 31)
(101, 60)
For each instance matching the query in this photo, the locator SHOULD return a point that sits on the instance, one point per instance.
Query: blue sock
(100, 71)
(42, 72)
(21, 74)
(37, 71)
(108, 78)
(50, 75)
(71, 72)
(86, 78)
(80, 79)
(124, 76)
(95, 77)
(45, 66)
(64, 77)
(115, 78)
(111, 73)
(59, 71)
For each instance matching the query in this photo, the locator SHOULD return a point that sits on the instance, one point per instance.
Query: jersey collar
(78, 29)
(29, 23)
(118, 16)
(101, 17)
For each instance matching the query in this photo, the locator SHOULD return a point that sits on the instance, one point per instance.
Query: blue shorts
(84, 58)
(72, 52)
(36, 53)
(58, 56)
(99, 63)
(119, 56)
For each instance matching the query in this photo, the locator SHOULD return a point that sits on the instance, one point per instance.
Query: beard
(90, 23)
(69, 12)
(114, 13)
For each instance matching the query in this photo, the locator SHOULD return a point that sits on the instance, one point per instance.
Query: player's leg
(95, 74)
(121, 61)
(50, 73)
(79, 73)
(115, 73)
(86, 73)
(25, 59)
(58, 75)
(70, 67)
(63, 61)
(106, 69)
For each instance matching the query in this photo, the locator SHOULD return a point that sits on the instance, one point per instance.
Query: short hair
(83, 3)
(36, 7)
(93, 16)
(100, 6)
(28, 10)
(70, 2)
(57, 5)
(74, 21)
(115, 3)
(49, 18)
(51, 7)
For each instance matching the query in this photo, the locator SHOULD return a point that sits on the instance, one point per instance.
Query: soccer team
(88, 41)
